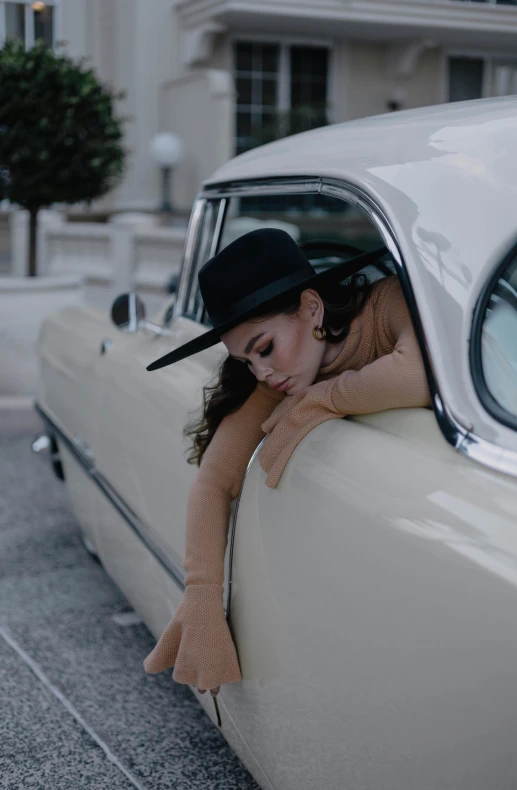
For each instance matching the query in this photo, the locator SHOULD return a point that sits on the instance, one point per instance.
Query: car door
(374, 606)
(141, 450)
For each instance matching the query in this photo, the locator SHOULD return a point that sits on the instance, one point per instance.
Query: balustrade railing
(112, 257)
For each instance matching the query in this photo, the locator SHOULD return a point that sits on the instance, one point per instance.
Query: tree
(60, 141)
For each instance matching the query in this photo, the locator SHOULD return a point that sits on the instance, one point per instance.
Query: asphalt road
(77, 709)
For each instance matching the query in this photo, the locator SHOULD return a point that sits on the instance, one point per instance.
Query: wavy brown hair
(235, 382)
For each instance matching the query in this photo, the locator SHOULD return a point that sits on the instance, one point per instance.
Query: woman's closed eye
(264, 353)
(267, 350)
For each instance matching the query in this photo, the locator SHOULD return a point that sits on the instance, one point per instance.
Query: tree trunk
(33, 227)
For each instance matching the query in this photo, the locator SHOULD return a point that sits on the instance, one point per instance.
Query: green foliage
(60, 141)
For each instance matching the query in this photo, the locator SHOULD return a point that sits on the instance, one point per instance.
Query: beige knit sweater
(378, 368)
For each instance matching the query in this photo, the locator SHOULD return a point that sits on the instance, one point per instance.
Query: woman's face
(281, 350)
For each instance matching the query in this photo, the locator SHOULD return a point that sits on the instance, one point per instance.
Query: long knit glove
(290, 422)
(197, 641)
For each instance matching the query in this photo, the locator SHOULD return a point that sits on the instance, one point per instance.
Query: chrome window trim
(86, 461)
(218, 227)
(221, 211)
(188, 258)
(195, 227)
(203, 241)
(297, 185)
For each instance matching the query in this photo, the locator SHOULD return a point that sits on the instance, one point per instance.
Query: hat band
(260, 296)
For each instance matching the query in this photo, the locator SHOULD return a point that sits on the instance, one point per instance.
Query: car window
(497, 340)
(327, 229)
(205, 247)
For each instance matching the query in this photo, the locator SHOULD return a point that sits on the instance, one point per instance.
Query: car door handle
(105, 344)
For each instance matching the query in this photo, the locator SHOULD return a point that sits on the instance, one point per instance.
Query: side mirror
(128, 311)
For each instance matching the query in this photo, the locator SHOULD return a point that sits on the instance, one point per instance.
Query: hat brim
(213, 336)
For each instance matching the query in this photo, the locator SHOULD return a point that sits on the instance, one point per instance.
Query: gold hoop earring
(319, 333)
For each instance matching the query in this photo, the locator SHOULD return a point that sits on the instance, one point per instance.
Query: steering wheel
(338, 248)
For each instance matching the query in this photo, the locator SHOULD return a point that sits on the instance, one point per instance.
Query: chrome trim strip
(234, 526)
(218, 227)
(214, 247)
(131, 518)
(268, 186)
(210, 211)
(363, 202)
(190, 246)
(489, 454)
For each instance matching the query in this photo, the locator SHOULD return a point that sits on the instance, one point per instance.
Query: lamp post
(167, 150)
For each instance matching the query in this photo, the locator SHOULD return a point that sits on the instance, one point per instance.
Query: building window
(476, 78)
(257, 77)
(465, 78)
(43, 23)
(309, 77)
(503, 77)
(28, 21)
(15, 21)
(281, 89)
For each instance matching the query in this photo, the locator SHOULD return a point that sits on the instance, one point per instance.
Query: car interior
(327, 229)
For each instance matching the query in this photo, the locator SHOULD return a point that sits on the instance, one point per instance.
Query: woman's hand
(290, 422)
(197, 642)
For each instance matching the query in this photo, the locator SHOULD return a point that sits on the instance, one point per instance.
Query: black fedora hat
(250, 276)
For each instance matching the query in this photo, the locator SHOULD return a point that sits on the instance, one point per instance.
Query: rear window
(494, 343)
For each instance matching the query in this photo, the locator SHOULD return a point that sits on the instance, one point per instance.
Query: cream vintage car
(373, 593)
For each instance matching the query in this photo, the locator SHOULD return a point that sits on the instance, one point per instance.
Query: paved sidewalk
(77, 709)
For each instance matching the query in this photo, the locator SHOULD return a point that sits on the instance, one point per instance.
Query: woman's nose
(262, 372)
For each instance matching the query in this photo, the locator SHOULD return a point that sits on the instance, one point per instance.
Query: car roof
(445, 177)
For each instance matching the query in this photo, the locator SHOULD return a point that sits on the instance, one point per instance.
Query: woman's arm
(197, 641)
(395, 380)
(218, 482)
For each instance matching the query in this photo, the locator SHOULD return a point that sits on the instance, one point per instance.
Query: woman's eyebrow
(252, 342)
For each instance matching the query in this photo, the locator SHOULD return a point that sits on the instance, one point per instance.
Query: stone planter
(24, 303)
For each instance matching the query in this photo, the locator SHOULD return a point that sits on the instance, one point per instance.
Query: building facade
(228, 75)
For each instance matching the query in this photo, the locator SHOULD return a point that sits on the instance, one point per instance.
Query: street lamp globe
(167, 150)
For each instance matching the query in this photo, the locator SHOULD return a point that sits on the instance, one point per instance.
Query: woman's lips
(282, 386)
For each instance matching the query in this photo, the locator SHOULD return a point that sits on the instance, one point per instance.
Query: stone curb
(18, 417)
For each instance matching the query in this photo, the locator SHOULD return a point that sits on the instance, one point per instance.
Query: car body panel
(68, 348)
(141, 447)
(377, 634)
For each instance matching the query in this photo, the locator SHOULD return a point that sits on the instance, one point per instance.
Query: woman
(303, 349)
